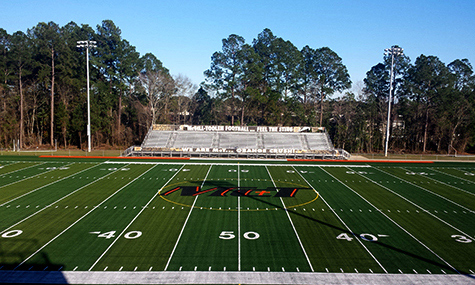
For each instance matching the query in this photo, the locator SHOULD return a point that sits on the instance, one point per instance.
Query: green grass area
(99, 215)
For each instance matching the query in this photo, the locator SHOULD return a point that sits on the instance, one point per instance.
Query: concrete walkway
(85, 277)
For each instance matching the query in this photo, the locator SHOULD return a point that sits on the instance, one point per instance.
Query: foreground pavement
(168, 277)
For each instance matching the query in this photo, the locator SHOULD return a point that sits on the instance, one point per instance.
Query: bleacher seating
(193, 139)
(157, 139)
(237, 142)
(318, 141)
(282, 140)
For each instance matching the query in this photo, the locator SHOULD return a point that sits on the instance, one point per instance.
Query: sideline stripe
(243, 164)
(186, 221)
(293, 227)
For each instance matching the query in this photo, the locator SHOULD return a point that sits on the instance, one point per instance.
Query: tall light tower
(87, 45)
(393, 51)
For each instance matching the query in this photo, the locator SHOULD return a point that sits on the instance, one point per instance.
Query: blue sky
(184, 34)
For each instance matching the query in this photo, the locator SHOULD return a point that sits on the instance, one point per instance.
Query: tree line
(272, 82)
(266, 82)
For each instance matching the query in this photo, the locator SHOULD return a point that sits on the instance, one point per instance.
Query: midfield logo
(236, 191)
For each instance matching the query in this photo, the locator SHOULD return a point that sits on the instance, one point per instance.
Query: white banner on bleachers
(264, 129)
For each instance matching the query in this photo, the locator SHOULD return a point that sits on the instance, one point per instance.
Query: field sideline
(177, 222)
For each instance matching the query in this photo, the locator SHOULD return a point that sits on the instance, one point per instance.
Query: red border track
(114, 157)
(364, 161)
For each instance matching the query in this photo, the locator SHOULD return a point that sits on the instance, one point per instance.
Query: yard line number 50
(246, 235)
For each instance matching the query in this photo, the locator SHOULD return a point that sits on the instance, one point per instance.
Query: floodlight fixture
(393, 51)
(87, 45)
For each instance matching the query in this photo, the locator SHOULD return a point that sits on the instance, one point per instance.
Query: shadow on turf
(42, 270)
(390, 247)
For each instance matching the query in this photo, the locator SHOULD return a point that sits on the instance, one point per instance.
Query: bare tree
(158, 86)
(184, 90)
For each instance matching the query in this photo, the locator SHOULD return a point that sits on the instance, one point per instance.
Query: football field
(85, 215)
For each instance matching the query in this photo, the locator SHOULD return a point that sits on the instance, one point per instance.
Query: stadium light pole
(87, 45)
(393, 51)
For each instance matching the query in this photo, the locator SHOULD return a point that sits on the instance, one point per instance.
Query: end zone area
(197, 218)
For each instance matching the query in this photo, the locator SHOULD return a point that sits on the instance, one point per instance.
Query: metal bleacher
(238, 140)
(176, 141)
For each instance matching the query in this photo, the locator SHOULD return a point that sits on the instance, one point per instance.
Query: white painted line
(239, 224)
(9, 173)
(346, 226)
(46, 207)
(399, 226)
(77, 221)
(34, 190)
(244, 164)
(186, 221)
(399, 195)
(37, 175)
(469, 181)
(133, 220)
(293, 227)
(438, 181)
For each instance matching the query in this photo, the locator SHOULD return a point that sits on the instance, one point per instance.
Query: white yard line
(8, 163)
(78, 220)
(440, 182)
(454, 176)
(394, 222)
(341, 220)
(427, 190)
(293, 227)
(133, 220)
(8, 173)
(47, 206)
(34, 190)
(424, 210)
(27, 177)
(239, 224)
(186, 221)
